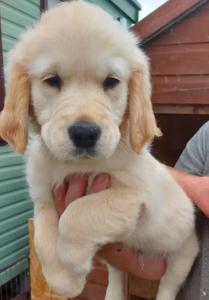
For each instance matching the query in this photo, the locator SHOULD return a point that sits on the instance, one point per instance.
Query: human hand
(148, 267)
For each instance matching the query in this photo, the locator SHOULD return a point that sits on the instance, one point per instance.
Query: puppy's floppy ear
(142, 123)
(14, 117)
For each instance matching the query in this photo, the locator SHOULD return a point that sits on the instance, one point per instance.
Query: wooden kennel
(176, 38)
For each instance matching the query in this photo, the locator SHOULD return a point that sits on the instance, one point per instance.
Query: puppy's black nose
(84, 135)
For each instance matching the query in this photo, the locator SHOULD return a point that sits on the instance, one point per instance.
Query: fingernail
(78, 176)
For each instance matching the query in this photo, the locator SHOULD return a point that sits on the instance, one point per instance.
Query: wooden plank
(182, 97)
(181, 109)
(36, 2)
(24, 6)
(9, 159)
(12, 172)
(2, 88)
(13, 235)
(179, 83)
(112, 9)
(187, 30)
(129, 9)
(17, 17)
(165, 16)
(8, 43)
(10, 29)
(2, 91)
(145, 289)
(8, 260)
(15, 209)
(5, 149)
(190, 59)
(17, 220)
(13, 197)
(13, 271)
(181, 89)
(9, 186)
(39, 287)
(14, 246)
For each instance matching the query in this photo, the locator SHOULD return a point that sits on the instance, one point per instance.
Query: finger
(100, 183)
(148, 267)
(76, 188)
(59, 198)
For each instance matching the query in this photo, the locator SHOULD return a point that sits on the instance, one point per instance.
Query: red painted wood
(192, 29)
(179, 97)
(165, 15)
(180, 83)
(180, 89)
(190, 59)
(180, 61)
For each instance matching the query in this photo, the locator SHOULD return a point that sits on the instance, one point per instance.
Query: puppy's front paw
(76, 258)
(64, 283)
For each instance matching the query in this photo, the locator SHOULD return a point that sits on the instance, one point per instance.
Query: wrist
(190, 185)
(188, 182)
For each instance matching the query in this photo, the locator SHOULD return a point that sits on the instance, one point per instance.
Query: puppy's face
(80, 75)
(80, 100)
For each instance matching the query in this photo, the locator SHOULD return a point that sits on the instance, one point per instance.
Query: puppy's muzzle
(84, 136)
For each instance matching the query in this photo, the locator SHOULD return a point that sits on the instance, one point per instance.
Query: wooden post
(43, 5)
(2, 91)
(142, 288)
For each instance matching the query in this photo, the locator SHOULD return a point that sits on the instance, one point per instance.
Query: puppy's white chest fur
(144, 208)
(167, 215)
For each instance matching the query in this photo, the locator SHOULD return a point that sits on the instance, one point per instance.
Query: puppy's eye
(110, 82)
(53, 81)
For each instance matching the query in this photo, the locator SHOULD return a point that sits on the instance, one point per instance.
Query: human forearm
(196, 187)
(185, 180)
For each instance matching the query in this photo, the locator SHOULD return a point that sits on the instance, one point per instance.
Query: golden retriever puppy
(85, 84)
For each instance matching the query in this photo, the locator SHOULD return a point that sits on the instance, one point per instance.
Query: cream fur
(84, 45)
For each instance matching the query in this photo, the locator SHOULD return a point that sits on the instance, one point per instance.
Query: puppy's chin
(63, 153)
(89, 153)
